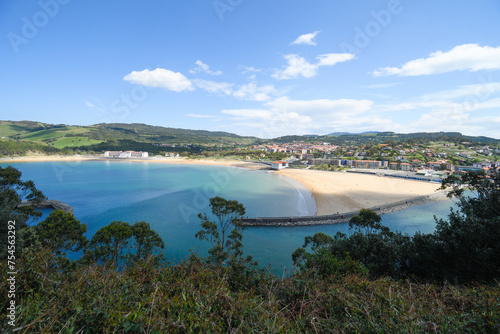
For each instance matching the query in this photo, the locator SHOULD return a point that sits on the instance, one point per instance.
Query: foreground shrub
(198, 297)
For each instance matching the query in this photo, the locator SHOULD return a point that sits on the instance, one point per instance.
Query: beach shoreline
(333, 192)
(341, 192)
(77, 158)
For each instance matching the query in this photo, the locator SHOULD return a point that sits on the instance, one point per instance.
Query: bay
(169, 197)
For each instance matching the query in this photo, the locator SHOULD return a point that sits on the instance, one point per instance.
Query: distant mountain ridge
(139, 136)
(380, 137)
(349, 133)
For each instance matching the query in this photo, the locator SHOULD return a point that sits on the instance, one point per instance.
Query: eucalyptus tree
(119, 242)
(13, 191)
(110, 242)
(225, 233)
(62, 233)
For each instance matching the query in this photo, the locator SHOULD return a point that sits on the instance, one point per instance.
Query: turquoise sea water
(169, 196)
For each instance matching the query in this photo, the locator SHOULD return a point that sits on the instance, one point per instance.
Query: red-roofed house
(279, 165)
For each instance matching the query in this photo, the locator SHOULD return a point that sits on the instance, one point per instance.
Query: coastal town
(340, 172)
(426, 161)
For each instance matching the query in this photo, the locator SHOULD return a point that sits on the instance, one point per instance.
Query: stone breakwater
(342, 217)
(51, 203)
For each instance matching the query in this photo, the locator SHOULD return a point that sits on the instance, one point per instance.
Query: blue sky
(260, 68)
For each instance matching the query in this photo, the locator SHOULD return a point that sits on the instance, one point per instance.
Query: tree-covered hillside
(21, 137)
(381, 137)
(26, 136)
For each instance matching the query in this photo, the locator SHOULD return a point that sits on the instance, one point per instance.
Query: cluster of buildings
(350, 163)
(404, 166)
(125, 154)
(298, 150)
(392, 157)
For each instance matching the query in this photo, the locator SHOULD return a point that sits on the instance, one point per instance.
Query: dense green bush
(19, 147)
(463, 248)
(197, 297)
(332, 292)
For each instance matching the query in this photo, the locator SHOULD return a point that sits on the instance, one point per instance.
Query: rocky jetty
(342, 217)
(50, 203)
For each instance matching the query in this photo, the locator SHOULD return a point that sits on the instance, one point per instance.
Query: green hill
(380, 137)
(112, 135)
(119, 136)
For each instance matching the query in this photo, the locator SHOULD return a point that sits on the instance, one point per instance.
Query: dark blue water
(169, 197)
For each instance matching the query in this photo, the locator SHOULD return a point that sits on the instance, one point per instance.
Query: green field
(53, 133)
(75, 141)
(11, 130)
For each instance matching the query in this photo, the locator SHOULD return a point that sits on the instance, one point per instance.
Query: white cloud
(268, 123)
(453, 120)
(93, 103)
(333, 115)
(299, 66)
(307, 39)
(471, 57)
(160, 77)
(249, 113)
(221, 88)
(250, 69)
(413, 105)
(253, 92)
(331, 59)
(204, 68)
(466, 98)
(380, 86)
(249, 92)
(488, 104)
(487, 119)
(338, 108)
(284, 116)
(460, 110)
(309, 108)
(199, 116)
(482, 90)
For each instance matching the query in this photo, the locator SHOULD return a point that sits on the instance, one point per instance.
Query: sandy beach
(340, 192)
(73, 158)
(334, 192)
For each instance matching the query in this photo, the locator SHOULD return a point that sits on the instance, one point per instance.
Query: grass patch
(195, 297)
(75, 142)
(53, 133)
(11, 130)
(44, 134)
